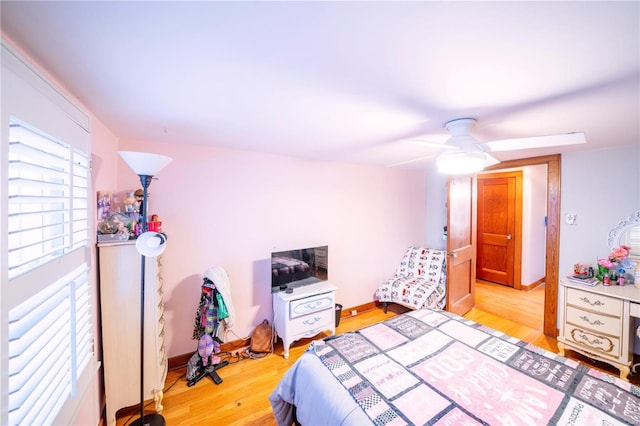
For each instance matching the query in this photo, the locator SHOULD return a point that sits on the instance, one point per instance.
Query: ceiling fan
(464, 155)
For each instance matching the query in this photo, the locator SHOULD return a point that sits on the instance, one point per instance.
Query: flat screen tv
(297, 268)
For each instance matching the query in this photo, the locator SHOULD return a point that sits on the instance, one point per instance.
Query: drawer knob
(596, 303)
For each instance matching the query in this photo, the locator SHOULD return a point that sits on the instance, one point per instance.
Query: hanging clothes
(206, 319)
(226, 314)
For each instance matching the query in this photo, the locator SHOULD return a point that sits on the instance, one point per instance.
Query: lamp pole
(145, 165)
(154, 419)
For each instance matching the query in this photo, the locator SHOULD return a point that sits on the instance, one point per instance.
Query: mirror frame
(613, 238)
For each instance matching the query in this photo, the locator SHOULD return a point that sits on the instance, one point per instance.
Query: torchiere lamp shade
(145, 163)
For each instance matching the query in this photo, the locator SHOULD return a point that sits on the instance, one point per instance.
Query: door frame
(552, 255)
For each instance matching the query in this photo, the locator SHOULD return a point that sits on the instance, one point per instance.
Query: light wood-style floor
(242, 397)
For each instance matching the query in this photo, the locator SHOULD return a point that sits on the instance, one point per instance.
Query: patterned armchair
(419, 281)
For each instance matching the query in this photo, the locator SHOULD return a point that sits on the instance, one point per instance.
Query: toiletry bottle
(605, 280)
(621, 277)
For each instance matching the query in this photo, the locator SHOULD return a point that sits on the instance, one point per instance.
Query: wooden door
(461, 249)
(499, 210)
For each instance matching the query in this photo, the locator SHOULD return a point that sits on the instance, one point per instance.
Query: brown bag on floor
(262, 339)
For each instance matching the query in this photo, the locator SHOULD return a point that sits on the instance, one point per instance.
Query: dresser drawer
(311, 324)
(311, 304)
(593, 341)
(595, 322)
(594, 302)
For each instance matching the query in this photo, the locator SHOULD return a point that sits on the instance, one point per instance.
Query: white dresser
(120, 312)
(304, 313)
(598, 322)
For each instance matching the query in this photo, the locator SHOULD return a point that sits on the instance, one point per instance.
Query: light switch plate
(570, 219)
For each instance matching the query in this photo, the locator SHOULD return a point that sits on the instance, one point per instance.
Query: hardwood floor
(242, 397)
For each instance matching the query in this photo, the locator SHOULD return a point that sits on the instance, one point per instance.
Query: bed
(419, 280)
(433, 367)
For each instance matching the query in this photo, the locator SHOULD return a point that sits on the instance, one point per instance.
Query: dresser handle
(581, 336)
(596, 322)
(596, 303)
(313, 305)
(311, 321)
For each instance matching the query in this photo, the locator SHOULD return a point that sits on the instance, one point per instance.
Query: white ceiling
(344, 81)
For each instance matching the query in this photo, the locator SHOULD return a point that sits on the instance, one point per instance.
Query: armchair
(419, 281)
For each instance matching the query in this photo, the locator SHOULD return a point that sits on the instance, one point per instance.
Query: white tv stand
(305, 312)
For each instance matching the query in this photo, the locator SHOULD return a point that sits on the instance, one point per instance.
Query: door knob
(508, 236)
(452, 254)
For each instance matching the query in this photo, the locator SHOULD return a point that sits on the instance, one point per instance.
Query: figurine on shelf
(139, 194)
(129, 202)
(154, 224)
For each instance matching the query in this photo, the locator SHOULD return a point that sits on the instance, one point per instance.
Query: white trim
(12, 60)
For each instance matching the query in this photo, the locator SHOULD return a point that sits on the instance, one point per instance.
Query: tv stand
(304, 313)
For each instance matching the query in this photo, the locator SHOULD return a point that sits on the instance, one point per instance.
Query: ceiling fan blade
(411, 161)
(490, 160)
(435, 144)
(536, 142)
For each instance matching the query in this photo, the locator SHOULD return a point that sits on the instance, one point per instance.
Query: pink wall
(103, 176)
(230, 208)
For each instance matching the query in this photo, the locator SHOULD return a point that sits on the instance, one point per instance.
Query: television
(299, 267)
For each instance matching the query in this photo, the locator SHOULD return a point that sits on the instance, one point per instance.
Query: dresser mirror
(627, 232)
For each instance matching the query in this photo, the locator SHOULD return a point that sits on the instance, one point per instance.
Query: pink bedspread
(433, 367)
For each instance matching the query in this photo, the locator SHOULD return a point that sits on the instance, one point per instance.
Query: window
(48, 189)
(49, 344)
(46, 288)
(50, 332)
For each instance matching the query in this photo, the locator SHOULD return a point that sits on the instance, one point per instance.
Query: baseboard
(532, 285)
(180, 361)
(346, 312)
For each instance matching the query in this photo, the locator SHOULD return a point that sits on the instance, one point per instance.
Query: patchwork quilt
(436, 368)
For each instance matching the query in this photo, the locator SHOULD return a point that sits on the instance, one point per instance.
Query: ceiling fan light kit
(469, 156)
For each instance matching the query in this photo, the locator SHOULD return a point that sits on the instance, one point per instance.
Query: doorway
(552, 233)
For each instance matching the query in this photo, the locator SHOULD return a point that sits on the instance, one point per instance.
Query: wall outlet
(354, 313)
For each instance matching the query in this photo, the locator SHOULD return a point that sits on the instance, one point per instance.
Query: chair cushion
(420, 261)
(415, 293)
(420, 280)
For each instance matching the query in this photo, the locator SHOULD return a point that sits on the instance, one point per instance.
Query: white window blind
(50, 339)
(47, 209)
(48, 367)
(49, 342)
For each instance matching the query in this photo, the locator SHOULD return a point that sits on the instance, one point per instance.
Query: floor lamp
(149, 244)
